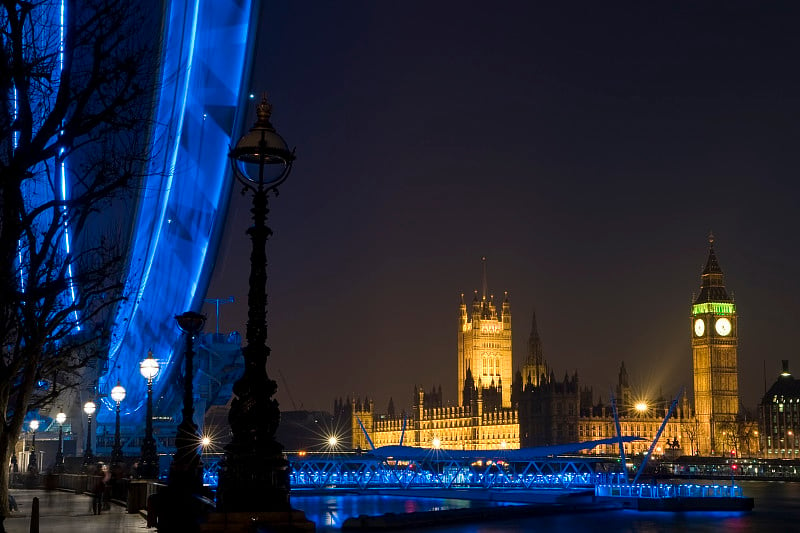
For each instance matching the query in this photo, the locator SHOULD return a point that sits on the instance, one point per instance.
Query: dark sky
(587, 149)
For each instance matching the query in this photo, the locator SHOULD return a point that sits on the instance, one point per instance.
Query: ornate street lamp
(61, 417)
(89, 408)
(255, 474)
(118, 394)
(187, 459)
(33, 466)
(148, 467)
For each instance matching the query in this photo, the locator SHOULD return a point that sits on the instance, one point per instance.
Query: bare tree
(74, 113)
(747, 432)
(690, 429)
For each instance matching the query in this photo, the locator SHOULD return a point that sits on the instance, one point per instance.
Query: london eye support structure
(204, 71)
(168, 232)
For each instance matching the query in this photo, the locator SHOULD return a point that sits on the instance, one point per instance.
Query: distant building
(715, 339)
(484, 346)
(779, 417)
(540, 410)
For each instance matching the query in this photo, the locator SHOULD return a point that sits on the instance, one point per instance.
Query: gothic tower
(484, 344)
(715, 336)
(534, 370)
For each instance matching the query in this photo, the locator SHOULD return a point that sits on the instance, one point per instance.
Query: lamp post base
(254, 483)
(243, 522)
(254, 492)
(181, 506)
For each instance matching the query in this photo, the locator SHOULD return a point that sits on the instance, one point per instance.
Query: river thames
(777, 509)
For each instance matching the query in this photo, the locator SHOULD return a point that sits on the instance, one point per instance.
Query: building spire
(623, 375)
(535, 367)
(712, 265)
(712, 285)
(485, 283)
(535, 351)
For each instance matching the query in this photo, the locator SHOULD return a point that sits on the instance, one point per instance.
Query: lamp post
(88, 408)
(118, 394)
(148, 467)
(255, 474)
(187, 459)
(180, 510)
(33, 466)
(61, 417)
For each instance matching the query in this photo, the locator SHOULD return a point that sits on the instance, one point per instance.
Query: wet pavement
(67, 512)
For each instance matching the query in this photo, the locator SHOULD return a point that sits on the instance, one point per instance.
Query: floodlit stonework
(532, 407)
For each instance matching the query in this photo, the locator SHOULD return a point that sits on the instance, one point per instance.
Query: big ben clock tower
(715, 341)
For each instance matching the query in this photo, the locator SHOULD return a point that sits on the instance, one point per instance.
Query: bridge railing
(365, 471)
(669, 490)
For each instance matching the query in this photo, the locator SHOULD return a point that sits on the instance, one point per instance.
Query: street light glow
(118, 393)
(149, 367)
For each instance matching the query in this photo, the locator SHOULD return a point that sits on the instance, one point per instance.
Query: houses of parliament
(501, 408)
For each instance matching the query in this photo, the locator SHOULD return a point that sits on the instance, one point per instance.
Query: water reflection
(777, 509)
(330, 511)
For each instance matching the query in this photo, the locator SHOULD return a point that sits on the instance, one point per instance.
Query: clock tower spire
(715, 359)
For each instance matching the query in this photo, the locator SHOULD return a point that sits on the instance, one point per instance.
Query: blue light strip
(173, 149)
(182, 208)
(32, 192)
(63, 169)
(14, 144)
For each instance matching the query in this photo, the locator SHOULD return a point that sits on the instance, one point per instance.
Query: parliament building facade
(532, 407)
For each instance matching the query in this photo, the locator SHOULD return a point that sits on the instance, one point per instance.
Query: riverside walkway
(67, 512)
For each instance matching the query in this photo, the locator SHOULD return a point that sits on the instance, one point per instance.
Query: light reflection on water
(777, 509)
(330, 511)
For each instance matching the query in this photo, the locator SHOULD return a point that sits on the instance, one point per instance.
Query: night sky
(586, 149)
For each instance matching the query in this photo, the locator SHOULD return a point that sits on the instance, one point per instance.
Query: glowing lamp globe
(34, 425)
(61, 418)
(89, 408)
(118, 393)
(149, 367)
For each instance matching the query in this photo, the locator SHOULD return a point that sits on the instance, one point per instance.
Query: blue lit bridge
(443, 471)
(543, 475)
(405, 467)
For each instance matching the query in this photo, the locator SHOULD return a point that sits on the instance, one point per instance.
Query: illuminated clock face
(699, 327)
(723, 326)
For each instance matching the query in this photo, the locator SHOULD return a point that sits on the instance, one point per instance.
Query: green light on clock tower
(714, 331)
